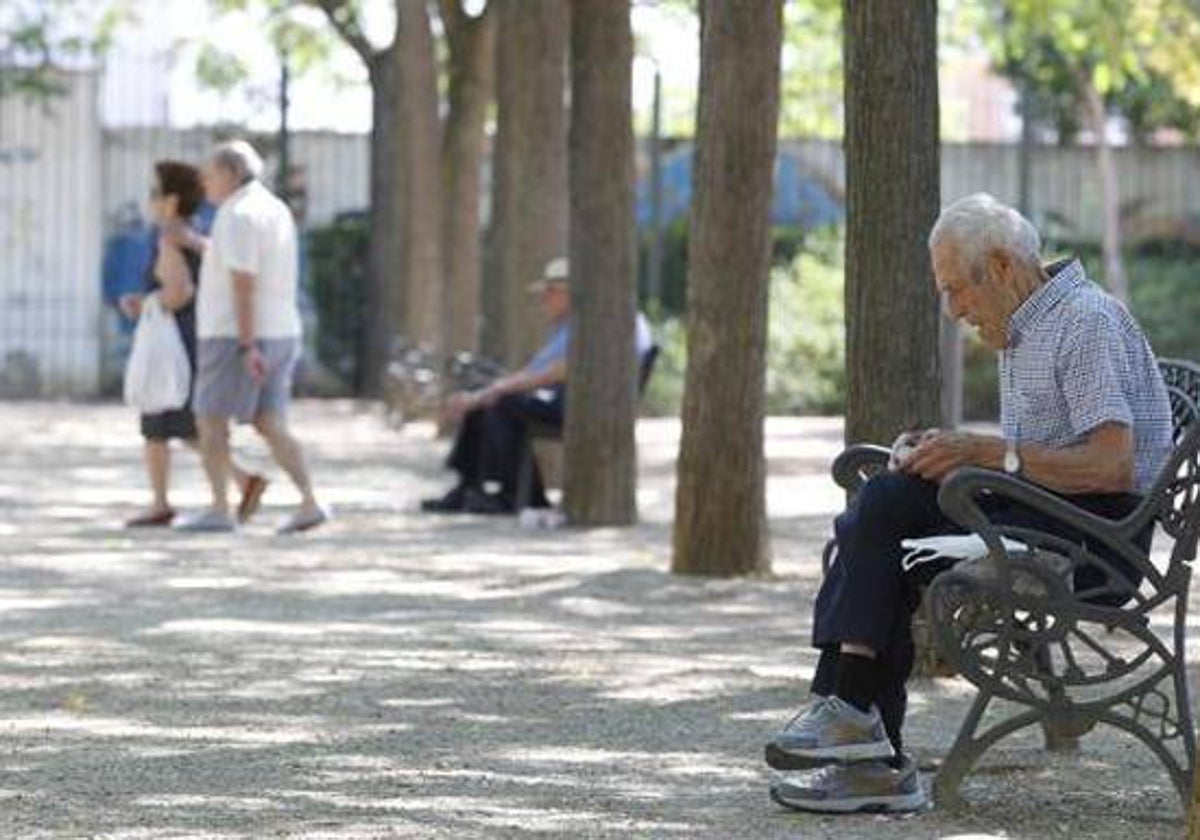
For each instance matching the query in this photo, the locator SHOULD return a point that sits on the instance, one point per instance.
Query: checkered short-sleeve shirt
(1076, 359)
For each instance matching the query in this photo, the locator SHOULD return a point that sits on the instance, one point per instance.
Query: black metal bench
(1020, 633)
(542, 434)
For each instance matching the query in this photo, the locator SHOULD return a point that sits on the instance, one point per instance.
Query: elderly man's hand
(489, 396)
(255, 364)
(456, 406)
(183, 237)
(131, 306)
(940, 453)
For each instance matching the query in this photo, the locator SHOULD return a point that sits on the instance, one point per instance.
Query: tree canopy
(38, 38)
(1138, 55)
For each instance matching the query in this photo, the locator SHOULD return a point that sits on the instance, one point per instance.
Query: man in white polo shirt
(248, 325)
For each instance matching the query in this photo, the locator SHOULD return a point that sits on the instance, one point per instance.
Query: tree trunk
(1114, 266)
(892, 200)
(600, 458)
(418, 173)
(720, 516)
(383, 295)
(529, 196)
(471, 66)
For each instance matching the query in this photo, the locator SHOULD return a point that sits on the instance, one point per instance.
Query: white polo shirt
(253, 232)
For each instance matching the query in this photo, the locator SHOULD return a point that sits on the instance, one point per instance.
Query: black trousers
(868, 599)
(492, 442)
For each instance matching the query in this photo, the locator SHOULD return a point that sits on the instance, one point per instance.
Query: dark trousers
(492, 442)
(868, 599)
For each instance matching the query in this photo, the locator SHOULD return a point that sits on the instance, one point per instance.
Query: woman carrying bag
(171, 283)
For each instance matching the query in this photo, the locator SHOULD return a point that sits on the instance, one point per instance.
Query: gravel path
(403, 676)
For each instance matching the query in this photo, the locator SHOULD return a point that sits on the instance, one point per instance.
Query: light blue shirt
(555, 348)
(1075, 360)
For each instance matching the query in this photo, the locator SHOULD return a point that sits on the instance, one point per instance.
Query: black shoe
(452, 502)
(488, 504)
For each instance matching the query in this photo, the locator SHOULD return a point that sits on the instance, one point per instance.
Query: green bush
(337, 276)
(786, 243)
(1165, 297)
(664, 391)
(981, 380)
(805, 349)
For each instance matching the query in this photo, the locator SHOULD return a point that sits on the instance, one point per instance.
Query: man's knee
(510, 405)
(270, 426)
(892, 493)
(213, 430)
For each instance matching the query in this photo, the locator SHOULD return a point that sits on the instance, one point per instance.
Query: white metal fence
(50, 245)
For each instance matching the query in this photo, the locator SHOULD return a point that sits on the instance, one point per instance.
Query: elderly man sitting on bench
(1084, 413)
(492, 422)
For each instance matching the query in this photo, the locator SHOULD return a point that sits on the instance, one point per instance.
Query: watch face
(1012, 461)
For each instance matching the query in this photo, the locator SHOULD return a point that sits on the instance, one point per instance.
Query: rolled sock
(857, 680)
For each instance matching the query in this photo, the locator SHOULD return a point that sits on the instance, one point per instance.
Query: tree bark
(382, 294)
(720, 505)
(471, 66)
(892, 199)
(1114, 266)
(418, 174)
(600, 477)
(529, 196)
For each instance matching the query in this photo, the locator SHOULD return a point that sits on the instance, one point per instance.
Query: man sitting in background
(492, 422)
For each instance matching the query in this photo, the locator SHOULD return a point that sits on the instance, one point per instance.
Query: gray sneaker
(829, 730)
(847, 788)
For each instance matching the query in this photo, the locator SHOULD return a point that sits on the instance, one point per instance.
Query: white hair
(240, 158)
(979, 224)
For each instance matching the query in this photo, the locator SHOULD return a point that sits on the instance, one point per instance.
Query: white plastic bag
(157, 376)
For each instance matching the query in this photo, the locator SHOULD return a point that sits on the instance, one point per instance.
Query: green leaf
(220, 70)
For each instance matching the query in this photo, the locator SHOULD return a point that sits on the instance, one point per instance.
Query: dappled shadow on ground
(401, 676)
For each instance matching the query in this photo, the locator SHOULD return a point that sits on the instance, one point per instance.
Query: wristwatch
(1012, 458)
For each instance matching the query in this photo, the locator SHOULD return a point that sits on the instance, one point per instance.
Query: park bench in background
(417, 380)
(543, 449)
(1020, 633)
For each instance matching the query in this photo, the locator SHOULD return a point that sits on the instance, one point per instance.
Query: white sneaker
(206, 522)
(302, 521)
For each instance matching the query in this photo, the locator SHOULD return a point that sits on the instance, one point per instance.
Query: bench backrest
(1183, 386)
(1175, 498)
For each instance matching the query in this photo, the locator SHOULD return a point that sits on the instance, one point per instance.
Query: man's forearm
(243, 307)
(525, 381)
(196, 242)
(1074, 470)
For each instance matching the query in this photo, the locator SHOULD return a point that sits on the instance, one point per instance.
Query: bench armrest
(959, 499)
(857, 463)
